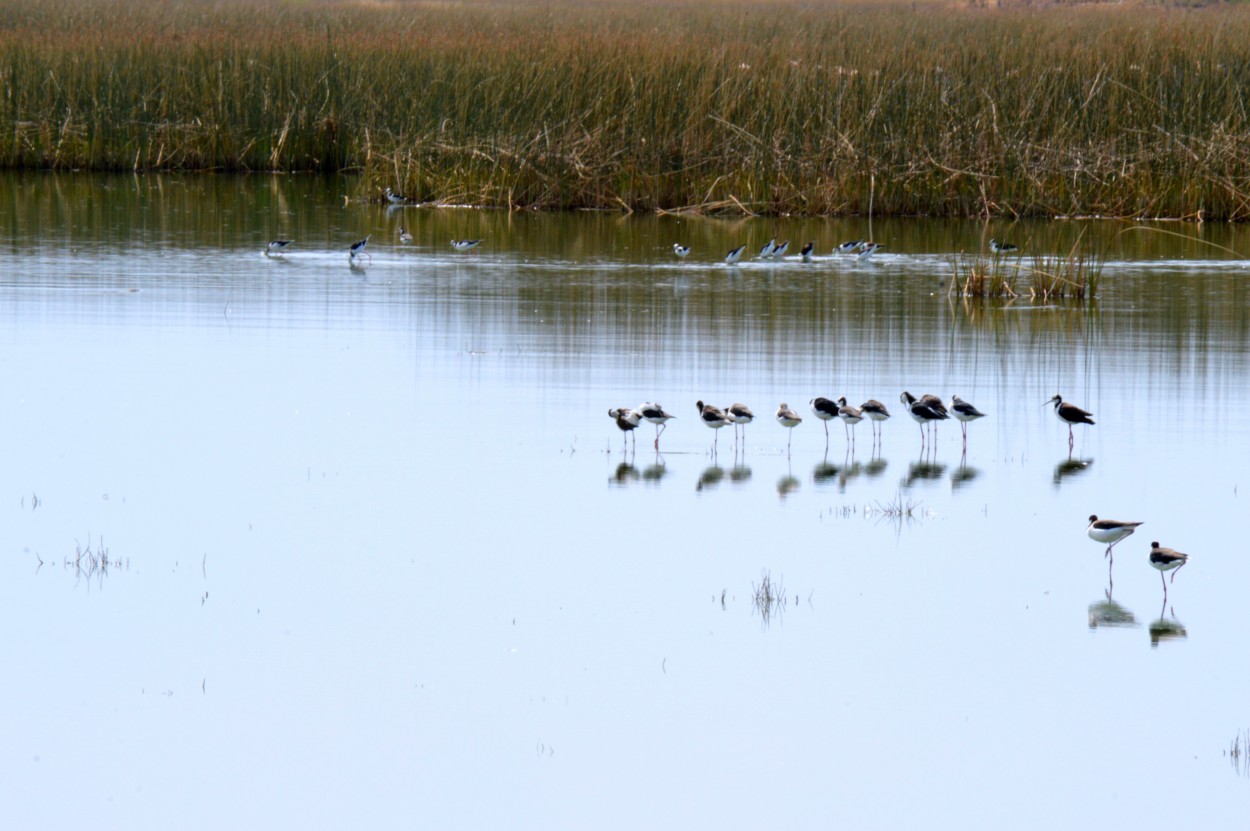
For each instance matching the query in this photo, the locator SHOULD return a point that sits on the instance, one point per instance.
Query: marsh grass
(735, 106)
(768, 597)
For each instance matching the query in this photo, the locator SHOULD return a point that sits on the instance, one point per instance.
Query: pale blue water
(377, 559)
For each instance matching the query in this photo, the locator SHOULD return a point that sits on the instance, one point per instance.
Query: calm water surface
(290, 543)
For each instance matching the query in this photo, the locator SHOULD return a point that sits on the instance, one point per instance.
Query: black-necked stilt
(875, 411)
(1109, 531)
(927, 409)
(849, 247)
(806, 253)
(681, 250)
(1002, 247)
(740, 414)
(825, 410)
(358, 249)
(779, 251)
(868, 249)
(395, 198)
(965, 412)
(1070, 414)
(655, 414)
(1166, 559)
(713, 417)
(735, 254)
(626, 419)
(850, 417)
(276, 247)
(767, 251)
(463, 245)
(787, 417)
(404, 236)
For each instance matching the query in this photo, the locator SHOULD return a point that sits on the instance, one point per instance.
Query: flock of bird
(925, 411)
(860, 249)
(277, 247)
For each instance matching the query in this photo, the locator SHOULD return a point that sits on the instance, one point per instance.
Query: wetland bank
(742, 106)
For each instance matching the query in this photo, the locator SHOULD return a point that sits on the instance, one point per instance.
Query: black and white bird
(849, 247)
(965, 412)
(404, 236)
(850, 417)
(876, 412)
(276, 247)
(1002, 247)
(779, 251)
(1166, 559)
(1109, 531)
(680, 250)
(867, 249)
(740, 414)
(358, 249)
(767, 251)
(1070, 414)
(713, 417)
(654, 414)
(788, 418)
(826, 410)
(927, 409)
(735, 254)
(626, 419)
(463, 245)
(395, 198)
(806, 253)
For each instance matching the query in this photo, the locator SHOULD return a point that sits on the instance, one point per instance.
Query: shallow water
(374, 549)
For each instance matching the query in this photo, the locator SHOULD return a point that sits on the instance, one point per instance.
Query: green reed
(740, 105)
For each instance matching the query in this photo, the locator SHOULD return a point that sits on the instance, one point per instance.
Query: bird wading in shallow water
(626, 419)
(275, 248)
(788, 418)
(1109, 531)
(680, 250)
(1166, 559)
(655, 414)
(1070, 414)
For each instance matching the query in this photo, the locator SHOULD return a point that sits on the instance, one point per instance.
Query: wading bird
(1109, 531)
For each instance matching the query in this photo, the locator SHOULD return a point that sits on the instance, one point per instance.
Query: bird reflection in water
(925, 469)
(1108, 614)
(739, 473)
(710, 477)
(624, 474)
(963, 474)
(824, 472)
(787, 484)
(654, 472)
(851, 469)
(1164, 629)
(1070, 467)
(875, 466)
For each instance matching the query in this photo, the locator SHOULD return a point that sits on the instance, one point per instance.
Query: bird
(850, 417)
(358, 248)
(1070, 414)
(465, 244)
(713, 417)
(626, 419)
(779, 251)
(736, 254)
(395, 198)
(849, 247)
(826, 410)
(1166, 559)
(1002, 247)
(404, 236)
(740, 414)
(681, 250)
(1109, 531)
(806, 253)
(867, 249)
(965, 412)
(876, 411)
(276, 247)
(927, 409)
(655, 414)
(787, 417)
(767, 251)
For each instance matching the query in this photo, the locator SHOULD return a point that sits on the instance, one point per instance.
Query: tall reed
(779, 107)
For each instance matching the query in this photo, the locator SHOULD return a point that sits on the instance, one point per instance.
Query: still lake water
(376, 558)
